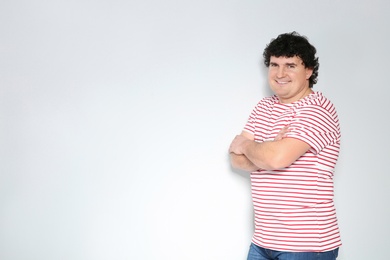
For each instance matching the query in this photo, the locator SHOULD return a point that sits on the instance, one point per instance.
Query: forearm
(268, 155)
(272, 155)
(240, 161)
(262, 155)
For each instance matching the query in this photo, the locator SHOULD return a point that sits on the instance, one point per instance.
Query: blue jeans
(259, 253)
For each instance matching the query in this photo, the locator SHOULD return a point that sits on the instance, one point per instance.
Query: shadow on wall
(246, 176)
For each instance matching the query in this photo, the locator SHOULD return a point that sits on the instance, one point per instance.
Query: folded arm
(240, 161)
(246, 154)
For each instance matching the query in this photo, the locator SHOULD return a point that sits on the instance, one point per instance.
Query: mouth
(282, 82)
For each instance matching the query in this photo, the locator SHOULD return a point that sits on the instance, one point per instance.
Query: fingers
(282, 133)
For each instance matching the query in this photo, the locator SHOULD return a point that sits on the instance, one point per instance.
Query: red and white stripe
(293, 207)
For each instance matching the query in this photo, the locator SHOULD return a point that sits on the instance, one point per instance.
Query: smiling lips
(282, 82)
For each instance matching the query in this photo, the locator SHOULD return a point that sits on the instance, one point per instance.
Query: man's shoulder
(318, 106)
(317, 100)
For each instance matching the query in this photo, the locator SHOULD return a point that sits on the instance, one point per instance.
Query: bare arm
(269, 155)
(240, 161)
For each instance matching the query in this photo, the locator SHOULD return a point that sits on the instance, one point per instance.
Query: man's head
(290, 45)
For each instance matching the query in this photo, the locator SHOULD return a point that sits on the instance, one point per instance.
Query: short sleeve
(250, 124)
(316, 126)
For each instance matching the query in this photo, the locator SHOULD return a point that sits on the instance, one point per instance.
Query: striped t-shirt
(293, 206)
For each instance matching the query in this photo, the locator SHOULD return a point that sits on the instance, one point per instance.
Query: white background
(116, 117)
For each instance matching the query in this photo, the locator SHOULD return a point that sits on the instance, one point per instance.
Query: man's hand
(238, 144)
(282, 133)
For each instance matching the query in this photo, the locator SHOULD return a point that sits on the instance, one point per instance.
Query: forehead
(284, 60)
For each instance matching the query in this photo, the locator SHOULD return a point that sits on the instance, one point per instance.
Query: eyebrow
(291, 64)
(288, 63)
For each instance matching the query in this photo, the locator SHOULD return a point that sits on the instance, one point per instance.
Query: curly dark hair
(290, 45)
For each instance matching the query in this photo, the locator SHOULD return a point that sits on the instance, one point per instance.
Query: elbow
(240, 162)
(235, 160)
(234, 164)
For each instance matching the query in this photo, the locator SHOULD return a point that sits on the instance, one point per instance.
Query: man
(290, 145)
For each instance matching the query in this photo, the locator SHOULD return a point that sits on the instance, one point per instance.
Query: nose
(280, 72)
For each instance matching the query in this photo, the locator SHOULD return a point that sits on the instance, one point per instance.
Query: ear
(309, 72)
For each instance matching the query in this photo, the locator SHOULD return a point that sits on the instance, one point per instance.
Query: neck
(306, 93)
(299, 96)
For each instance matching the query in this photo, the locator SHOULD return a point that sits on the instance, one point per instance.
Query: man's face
(288, 78)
